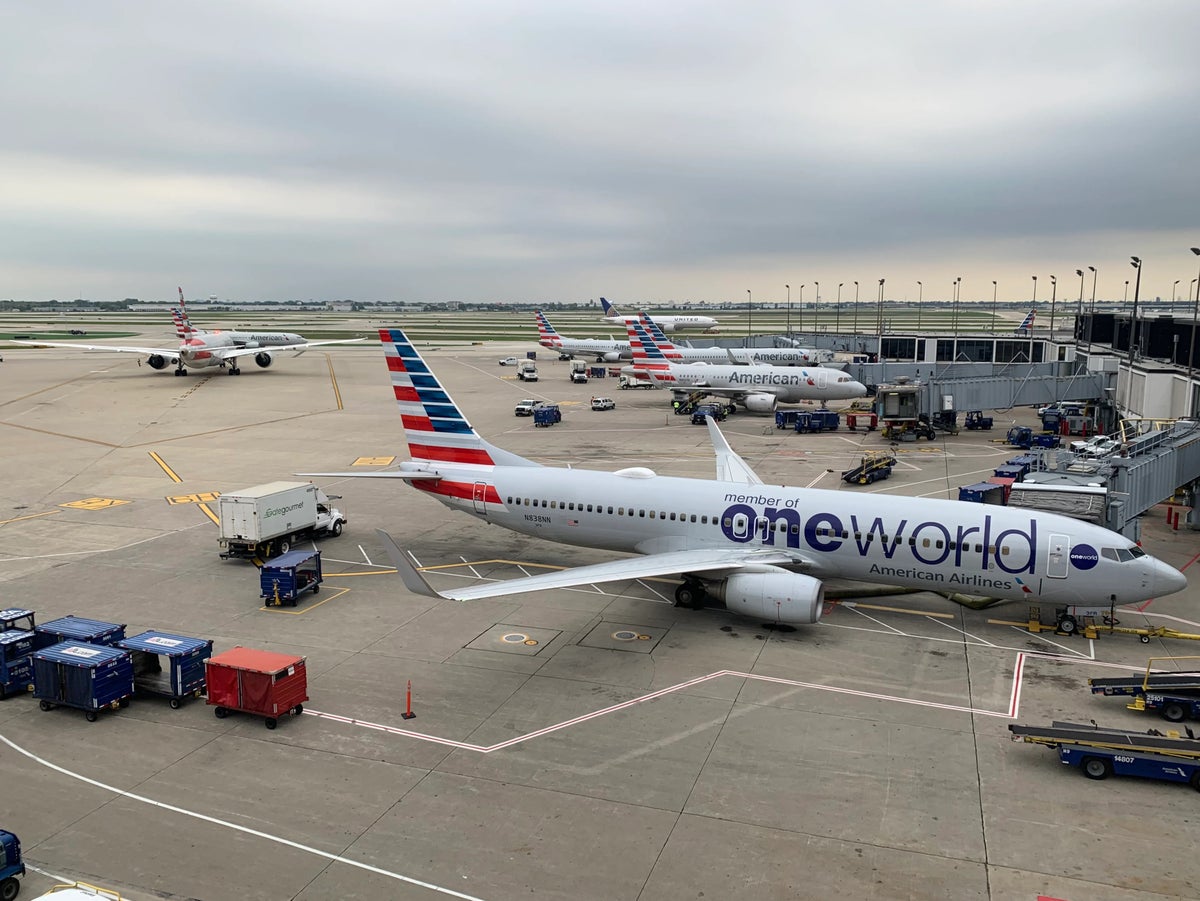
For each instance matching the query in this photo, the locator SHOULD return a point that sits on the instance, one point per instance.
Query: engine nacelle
(759, 403)
(772, 594)
(263, 359)
(157, 361)
(613, 356)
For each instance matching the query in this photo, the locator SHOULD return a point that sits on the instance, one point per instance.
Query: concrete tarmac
(595, 743)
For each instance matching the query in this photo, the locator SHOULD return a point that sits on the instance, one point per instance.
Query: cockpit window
(1121, 554)
(1136, 552)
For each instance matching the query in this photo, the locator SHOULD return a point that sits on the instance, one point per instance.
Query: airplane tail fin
(436, 430)
(183, 326)
(646, 355)
(669, 350)
(1027, 322)
(609, 309)
(547, 335)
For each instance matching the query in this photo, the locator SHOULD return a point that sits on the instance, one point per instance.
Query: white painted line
(336, 858)
(365, 555)
(960, 631)
(1055, 643)
(877, 622)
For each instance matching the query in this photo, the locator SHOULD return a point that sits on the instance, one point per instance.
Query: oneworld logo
(1084, 556)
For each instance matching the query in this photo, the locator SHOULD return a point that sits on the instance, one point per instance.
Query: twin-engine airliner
(198, 349)
(762, 549)
(666, 323)
(602, 351)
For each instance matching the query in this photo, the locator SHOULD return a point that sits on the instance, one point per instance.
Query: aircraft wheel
(689, 594)
(1174, 712)
(1096, 767)
(1068, 625)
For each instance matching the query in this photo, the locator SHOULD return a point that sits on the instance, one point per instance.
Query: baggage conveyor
(1174, 695)
(1101, 752)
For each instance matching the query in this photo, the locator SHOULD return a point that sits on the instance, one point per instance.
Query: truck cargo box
(252, 681)
(266, 511)
(168, 665)
(89, 677)
(78, 628)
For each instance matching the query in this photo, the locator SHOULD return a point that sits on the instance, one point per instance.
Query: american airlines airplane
(762, 549)
(758, 388)
(774, 356)
(604, 351)
(199, 349)
(666, 323)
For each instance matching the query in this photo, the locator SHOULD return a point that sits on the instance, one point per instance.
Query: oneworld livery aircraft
(198, 349)
(666, 323)
(762, 549)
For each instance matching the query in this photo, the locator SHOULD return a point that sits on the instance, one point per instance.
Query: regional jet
(603, 351)
(765, 550)
(758, 388)
(199, 349)
(666, 323)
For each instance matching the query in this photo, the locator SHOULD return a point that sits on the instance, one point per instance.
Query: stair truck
(267, 520)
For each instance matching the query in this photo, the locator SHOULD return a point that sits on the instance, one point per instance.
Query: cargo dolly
(1176, 696)
(1101, 752)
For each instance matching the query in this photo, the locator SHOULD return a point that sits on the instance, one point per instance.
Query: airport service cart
(88, 677)
(171, 666)
(78, 628)
(283, 578)
(11, 865)
(1174, 695)
(16, 661)
(15, 618)
(264, 683)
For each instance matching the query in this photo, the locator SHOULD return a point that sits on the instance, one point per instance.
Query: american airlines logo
(769, 378)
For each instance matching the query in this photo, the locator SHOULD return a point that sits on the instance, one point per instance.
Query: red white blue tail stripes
(436, 431)
(669, 350)
(547, 335)
(647, 358)
(1027, 322)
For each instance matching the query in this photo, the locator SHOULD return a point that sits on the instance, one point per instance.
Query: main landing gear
(181, 371)
(691, 594)
(233, 370)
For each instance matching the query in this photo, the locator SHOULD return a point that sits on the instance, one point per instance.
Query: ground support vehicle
(88, 677)
(597, 372)
(686, 404)
(1068, 419)
(874, 466)
(263, 683)
(603, 403)
(908, 429)
(170, 666)
(816, 421)
(284, 578)
(975, 421)
(869, 421)
(983, 493)
(18, 619)
(11, 865)
(16, 661)
(578, 372)
(703, 411)
(1024, 437)
(1100, 752)
(786, 419)
(525, 406)
(78, 628)
(509, 361)
(527, 371)
(625, 381)
(1175, 696)
(546, 415)
(268, 520)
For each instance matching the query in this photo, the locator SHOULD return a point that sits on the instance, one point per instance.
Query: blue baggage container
(16, 618)
(982, 493)
(16, 661)
(78, 628)
(283, 578)
(1010, 471)
(88, 677)
(825, 420)
(168, 665)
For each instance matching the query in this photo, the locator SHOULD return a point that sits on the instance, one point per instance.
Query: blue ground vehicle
(78, 628)
(875, 465)
(88, 677)
(16, 661)
(976, 421)
(1024, 437)
(716, 411)
(1175, 696)
(546, 415)
(182, 676)
(283, 579)
(817, 421)
(11, 865)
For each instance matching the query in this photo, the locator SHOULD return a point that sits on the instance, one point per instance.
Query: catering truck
(267, 520)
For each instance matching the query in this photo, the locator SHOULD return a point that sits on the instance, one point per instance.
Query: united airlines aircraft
(666, 323)
(762, 549)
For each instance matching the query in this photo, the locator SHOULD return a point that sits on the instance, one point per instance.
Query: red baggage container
(260, 682)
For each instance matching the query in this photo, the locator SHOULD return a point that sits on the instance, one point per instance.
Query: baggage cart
(16, 618)
(283, 579)
(170, 666)
(263, 683)
(78, 628)
(88, 677)
(16, 661)
(982, 493)
(11, 865)
(546, 415)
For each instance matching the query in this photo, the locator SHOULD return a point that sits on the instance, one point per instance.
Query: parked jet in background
(1027, 323)
(206, 349)
(603, 351)
(758, 388)
(774, 356)
(666, 323)
(763, 550)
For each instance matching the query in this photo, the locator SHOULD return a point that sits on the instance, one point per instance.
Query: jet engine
(263, 359)
(157, 361)
(759, 403)
(612, 356)
(772, 594)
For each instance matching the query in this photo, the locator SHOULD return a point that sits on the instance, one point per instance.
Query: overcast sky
(649, 151)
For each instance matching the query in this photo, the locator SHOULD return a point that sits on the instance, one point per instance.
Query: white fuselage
(603, 351)
(669, 323)
(940, 545)
(788, 384)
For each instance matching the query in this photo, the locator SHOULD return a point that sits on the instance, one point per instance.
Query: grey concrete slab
(508, 638)
(618, 636)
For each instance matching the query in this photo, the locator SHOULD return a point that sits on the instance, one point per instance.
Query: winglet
(730, 467)
(402, 560)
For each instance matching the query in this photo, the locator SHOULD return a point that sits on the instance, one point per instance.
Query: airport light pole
(1136, 264)
(816, 305)
(879, 319)
(1175, 291)
(1192, 345)
(1035, 316)
(920, 297)
(1053, 298)
(1079, 308)
(837, 310)
(802, 308)
(993, 305)
(1092, 314)
(789, 310)
(749, 316)
(856, 308)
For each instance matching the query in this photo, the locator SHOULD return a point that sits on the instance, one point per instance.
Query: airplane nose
(1167, 579)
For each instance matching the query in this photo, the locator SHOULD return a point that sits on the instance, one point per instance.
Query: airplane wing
(382, 474)
(229, 353)
(730, 467)
(705, 560)
(118, 348)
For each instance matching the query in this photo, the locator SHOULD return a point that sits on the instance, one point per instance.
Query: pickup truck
(525, 407)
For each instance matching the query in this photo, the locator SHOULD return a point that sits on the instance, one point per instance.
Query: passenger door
(1058, 558)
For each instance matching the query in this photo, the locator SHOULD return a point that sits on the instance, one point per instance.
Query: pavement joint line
(246, 830)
